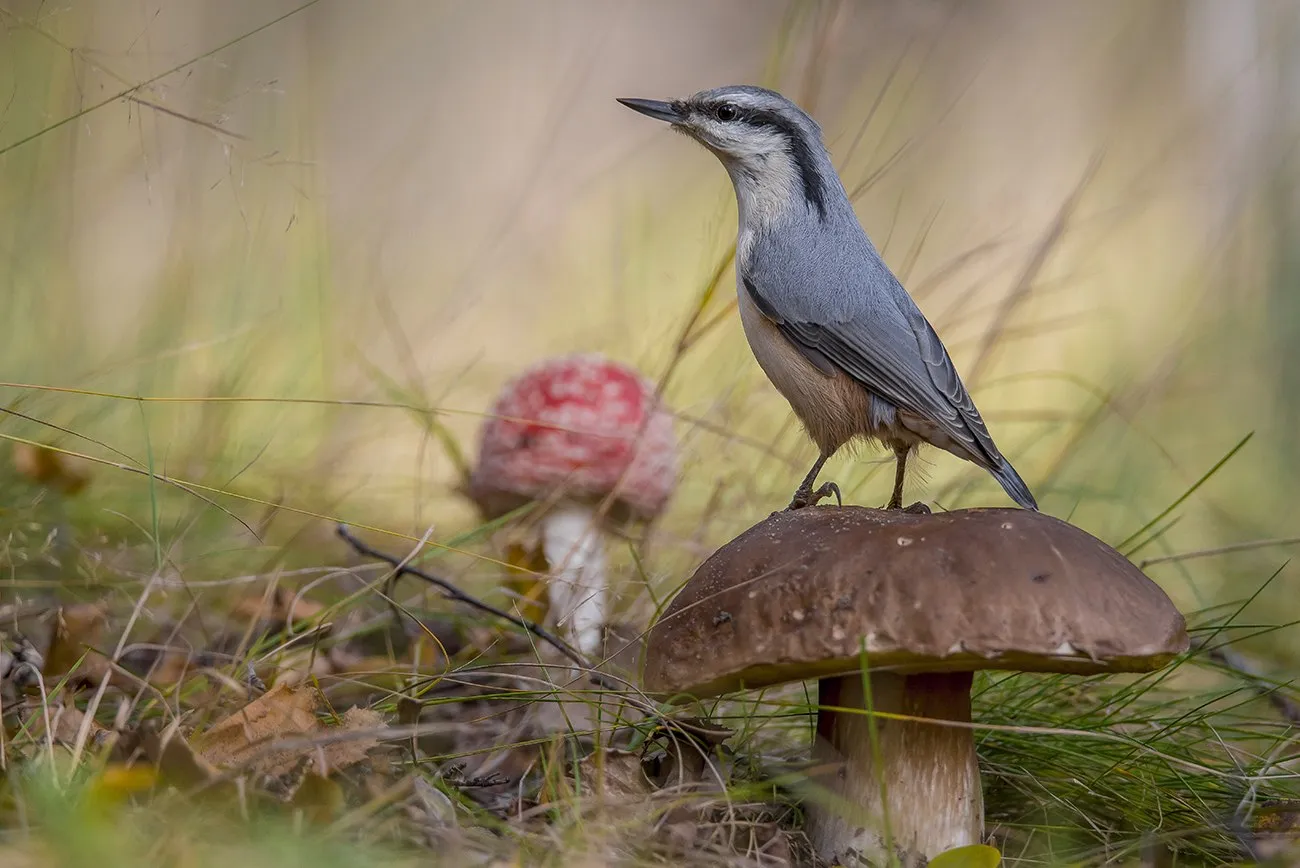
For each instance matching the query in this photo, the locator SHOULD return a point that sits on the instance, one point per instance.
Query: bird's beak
(653, 108)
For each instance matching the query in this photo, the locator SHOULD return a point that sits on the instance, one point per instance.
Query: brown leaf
(50, 468)
(161, 667)
(408, 710)
(247, 737)
(613, 776)
(527, 578)
(177, 763)
(281, 606)
(319, 798)
(65, 722)
(118, 781)
(78, 629)
(341, 754)
(692, 750)
(243, 737)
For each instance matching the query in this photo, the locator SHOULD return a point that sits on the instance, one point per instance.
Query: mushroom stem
(918, 784)
(571, 540)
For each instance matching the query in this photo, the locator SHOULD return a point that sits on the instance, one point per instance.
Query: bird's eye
(726, 112)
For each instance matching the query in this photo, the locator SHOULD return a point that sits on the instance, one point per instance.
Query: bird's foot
(804, 497)
(917, 508)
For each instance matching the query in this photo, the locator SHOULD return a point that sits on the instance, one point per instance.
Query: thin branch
(207, 125)
(401, 567)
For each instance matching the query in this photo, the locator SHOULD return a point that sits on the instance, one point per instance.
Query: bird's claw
(804, 498)
(826, 490)
(917, 508)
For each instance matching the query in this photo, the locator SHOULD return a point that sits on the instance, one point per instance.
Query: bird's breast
(833, 408)
(788, 370)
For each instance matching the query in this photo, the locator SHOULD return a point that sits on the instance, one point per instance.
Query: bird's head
(771, 148)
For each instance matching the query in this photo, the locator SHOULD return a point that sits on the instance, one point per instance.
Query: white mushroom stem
(571, 540)
(917, 783)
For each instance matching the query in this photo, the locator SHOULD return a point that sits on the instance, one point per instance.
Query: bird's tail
(1014, 486)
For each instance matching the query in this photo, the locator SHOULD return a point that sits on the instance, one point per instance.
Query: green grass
(232, 402)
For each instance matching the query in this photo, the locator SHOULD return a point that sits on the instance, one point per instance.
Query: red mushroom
(588, 438)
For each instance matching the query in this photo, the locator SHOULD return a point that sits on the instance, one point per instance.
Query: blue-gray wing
(891, 349)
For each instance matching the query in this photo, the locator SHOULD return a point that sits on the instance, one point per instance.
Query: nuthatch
(827, 320)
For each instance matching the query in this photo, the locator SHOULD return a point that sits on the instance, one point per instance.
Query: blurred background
(369, 216)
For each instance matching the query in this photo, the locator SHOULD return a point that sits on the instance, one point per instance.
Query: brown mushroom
(927, 599)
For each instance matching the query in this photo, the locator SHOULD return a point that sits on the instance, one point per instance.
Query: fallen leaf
(613, 776)
(65, 722)
(692, 752)
(408, 710)
(527, 569)
(970, 856)
(118, 781)
(320, 799)
(282, 606)
(247, 738)
(78, 630)
(161, 667)
(366, 723)
(50, 467)
(177, 763)
(243, 737)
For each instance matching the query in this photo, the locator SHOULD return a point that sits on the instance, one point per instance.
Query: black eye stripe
(800, 150)
(797, 140)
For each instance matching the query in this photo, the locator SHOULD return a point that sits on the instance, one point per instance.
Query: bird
(828, 321)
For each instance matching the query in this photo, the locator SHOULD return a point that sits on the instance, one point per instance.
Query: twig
(400, 567)
(207, 125)
(597, 678)
(390, 585)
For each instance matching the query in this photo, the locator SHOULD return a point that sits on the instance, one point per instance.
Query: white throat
(767, 187)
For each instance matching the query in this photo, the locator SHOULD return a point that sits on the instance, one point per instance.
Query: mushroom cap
(582, 426)
(798, 596)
